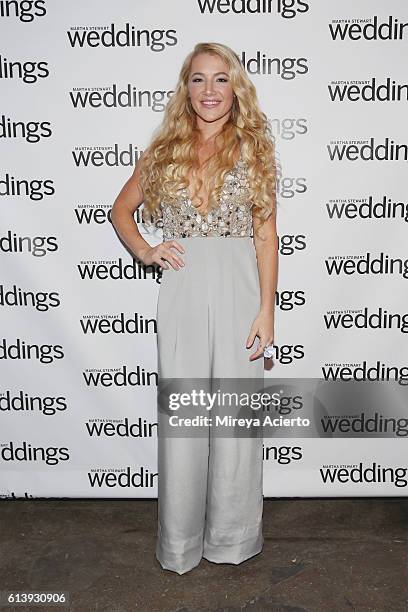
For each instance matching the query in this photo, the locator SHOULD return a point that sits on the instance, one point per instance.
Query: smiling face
(210, 89)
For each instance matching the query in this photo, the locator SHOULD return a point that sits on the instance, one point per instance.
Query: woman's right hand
(163, 253)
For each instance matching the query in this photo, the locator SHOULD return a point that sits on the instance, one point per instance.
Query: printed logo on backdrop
(122, 478)
(365, 424)
(288, 354)
(117, 269)
(19, 349)
(110, 156)
(121, 428)
(289, 187)
(367, 150)
(289, 128)
(116, 96)
(95, 214)
(34, 189)
(304, 408)
(14, 297)
(369, 28)
(291, 244)
(90, 215)
(363, 473)
(118, 324)
(282, 454)
(119, 377)
(367, 208)
(30, 131)
(26, 71)
(24, 11)
(364, 319)
(287, 300)
(25, 402)
(287, 68)
(37, 246)
(365, 371)
(19, 453)
(287, 9)
(372, 90)
(115, 35)
(370, 264)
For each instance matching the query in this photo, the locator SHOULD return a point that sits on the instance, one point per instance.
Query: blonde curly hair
(172, 152)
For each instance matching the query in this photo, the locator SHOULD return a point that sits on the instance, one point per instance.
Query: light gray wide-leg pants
(210, 488)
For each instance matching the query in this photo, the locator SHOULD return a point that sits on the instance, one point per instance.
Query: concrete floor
(319, 556)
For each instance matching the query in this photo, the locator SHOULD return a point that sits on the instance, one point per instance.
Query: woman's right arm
(122, 215)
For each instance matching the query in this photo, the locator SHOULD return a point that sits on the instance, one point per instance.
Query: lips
(210, 103)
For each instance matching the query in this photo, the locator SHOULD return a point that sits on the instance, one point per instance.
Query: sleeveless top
(231, 218)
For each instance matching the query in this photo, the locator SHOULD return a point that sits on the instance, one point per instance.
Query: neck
(209, 131)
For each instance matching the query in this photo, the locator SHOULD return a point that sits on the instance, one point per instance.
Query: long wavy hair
(172, 153)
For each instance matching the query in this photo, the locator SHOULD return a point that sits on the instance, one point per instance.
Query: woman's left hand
(263, 327)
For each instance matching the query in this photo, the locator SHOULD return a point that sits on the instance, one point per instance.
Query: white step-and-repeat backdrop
(83, 86)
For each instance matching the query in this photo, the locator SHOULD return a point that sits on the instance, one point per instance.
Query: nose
(209, 87)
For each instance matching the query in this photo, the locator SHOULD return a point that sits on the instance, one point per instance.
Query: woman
(209, 176)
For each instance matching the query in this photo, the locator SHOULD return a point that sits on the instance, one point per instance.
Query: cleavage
(200, 210)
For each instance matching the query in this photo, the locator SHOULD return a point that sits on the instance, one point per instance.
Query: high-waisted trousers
(210, 488)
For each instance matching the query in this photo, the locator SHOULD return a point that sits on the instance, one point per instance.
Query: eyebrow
(215, 73)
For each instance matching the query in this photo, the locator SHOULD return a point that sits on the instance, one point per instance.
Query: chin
(209, 114)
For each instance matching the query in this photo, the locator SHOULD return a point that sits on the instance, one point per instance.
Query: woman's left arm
(266, 247)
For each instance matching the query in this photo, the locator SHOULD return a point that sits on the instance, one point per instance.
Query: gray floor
(319, 556)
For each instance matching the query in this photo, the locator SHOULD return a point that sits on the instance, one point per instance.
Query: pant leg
(233, 530)
(182, 485)
(183, 354)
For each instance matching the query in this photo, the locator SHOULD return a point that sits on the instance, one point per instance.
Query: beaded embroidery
(232, 217)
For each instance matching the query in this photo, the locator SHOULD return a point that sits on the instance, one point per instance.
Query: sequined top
(231, 218)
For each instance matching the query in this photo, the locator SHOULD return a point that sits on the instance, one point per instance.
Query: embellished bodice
(231, 218)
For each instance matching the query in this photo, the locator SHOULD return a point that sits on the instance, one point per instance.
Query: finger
(251, 338)
(260, 349)
(164, 253)
(258, 353)
(160, 257)
(162, 263)
(174, 257)
(177, 245)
